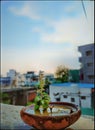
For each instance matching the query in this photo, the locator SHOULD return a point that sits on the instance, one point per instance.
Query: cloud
(36, 29)
(28, 10)
(71, 29)
(71, 8)
(75, 31)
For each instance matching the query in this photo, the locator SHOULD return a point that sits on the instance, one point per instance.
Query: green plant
(4, 98)
(42, 99)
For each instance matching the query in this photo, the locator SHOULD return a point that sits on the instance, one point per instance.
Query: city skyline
(41, 35)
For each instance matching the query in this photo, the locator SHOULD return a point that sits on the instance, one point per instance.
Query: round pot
(51, 122)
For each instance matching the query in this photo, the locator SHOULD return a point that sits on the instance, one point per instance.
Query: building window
(72, 99)
(88, 53)
(56, 94)
(57, 99)
(91, 77)
(81, 76)
(83, 97)
(89, 64)
(65, 96)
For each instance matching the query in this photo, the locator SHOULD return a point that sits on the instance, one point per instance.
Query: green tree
(62, 73)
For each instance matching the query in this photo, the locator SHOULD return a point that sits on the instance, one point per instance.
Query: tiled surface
(10, 119)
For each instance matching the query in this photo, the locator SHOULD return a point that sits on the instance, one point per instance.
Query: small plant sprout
(41, 109)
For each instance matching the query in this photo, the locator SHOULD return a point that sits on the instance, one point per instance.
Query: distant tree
(62, 73)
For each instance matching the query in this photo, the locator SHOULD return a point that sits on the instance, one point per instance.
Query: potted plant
(50, 120)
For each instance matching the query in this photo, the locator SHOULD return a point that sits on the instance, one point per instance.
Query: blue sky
(41, 35)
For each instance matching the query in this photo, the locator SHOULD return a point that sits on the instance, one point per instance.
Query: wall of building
(74, 76)
(87, 61)
(73, 94)
(19, 96)
(85, 101)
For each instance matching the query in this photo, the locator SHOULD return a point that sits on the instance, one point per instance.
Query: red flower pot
(50, 121)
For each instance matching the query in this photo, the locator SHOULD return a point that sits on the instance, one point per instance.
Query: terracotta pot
(51, 122)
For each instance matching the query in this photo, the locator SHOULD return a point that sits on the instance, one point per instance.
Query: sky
(41, 35)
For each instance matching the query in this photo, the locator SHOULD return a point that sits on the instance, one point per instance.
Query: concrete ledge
(10, 119)
(10, 89)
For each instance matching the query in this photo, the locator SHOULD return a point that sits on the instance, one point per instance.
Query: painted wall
(72, 94)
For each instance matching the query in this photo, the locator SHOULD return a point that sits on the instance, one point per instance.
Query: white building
(79, 94)
(11, 73)
(20, 78)
(85, 95)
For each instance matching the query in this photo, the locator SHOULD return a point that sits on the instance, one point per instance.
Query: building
(18, 96)
(16, 77)
(76, 93)
(12, 73)
(87, 61)
(5, 81)
(64, 92)
(31, 78)
(74, 76)
(20, 79)
(86, 95)
(50, 78)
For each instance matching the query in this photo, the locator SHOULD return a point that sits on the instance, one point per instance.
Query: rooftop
(9, 89)
(10, 119)
(80, 85)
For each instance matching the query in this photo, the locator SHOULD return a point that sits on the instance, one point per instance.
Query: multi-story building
(87, 61)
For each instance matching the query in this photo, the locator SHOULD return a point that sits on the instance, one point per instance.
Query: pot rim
(56, 116)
